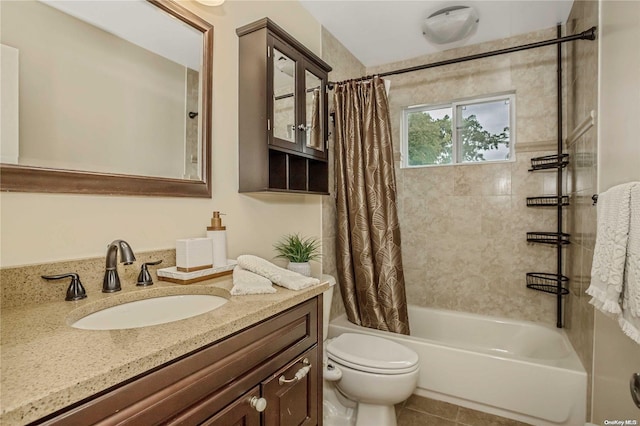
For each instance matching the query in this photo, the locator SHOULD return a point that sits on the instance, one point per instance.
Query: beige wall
(41, 228)
(581, 89)
(9, 132)
(92, 101)
(464, 227)
(616, 356)
(345, 66)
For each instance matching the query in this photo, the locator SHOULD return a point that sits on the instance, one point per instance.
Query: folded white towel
(630, 318)
(609, 256)
(280, 276)
(246, 282)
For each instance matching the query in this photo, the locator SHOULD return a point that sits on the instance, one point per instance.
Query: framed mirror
(105, 98)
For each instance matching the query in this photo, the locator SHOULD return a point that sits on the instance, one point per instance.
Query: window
(468, 131)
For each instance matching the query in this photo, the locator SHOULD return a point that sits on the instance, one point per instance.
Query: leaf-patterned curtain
(368, 244)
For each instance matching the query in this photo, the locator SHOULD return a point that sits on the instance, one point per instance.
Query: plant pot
(303, 268)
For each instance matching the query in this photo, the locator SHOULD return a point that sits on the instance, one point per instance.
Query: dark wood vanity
(224, 383)
(283, 125)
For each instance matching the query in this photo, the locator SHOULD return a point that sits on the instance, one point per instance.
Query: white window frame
(456, 144)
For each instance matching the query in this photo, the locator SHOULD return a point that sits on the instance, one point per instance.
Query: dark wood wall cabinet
(282, 112)
(268, 374)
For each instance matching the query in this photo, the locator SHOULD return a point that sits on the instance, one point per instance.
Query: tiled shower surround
(463, 227)
(464, 245)
(582, 98)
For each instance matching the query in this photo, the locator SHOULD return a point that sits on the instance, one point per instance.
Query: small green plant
(298, 249)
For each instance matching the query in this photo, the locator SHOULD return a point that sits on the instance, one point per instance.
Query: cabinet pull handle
(258, 403)
(299, 374)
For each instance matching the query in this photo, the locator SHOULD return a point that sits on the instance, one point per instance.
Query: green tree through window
(429, 139)
(483, 132)
(476, 140)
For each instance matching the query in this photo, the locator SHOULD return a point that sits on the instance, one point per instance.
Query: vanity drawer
(229, 368)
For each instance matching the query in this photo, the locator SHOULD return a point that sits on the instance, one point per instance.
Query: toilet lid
(373, 354)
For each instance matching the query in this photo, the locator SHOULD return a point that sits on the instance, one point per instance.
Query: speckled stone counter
(47, 365)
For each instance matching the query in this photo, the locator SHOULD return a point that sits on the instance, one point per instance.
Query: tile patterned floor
(419, 411)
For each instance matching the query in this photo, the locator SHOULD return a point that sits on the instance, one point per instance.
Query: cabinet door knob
(258, 403)
(299, 374)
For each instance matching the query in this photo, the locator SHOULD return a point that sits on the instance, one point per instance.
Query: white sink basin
(146, 312)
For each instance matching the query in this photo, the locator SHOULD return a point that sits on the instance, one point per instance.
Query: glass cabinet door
(315, 122)
(283, 125)
(298, 99)
(313, 108)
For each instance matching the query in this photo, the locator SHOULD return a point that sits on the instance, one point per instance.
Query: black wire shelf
(547, 283)
(556, 238)
(549, 162)
(550, 201)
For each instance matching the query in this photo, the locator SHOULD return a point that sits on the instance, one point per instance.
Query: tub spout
(111, 282)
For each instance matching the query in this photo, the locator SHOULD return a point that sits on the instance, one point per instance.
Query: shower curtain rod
(589, 34)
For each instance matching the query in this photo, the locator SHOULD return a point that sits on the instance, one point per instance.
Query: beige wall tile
(463, 227)
(581, 85)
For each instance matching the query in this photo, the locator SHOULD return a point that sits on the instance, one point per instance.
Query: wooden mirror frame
(17, 178)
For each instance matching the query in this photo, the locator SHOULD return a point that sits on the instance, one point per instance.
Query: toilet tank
(326, 303)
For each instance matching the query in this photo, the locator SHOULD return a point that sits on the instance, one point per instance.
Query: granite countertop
(47, 365)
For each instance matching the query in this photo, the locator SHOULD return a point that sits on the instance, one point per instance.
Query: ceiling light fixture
(211, 2)
(450, 24)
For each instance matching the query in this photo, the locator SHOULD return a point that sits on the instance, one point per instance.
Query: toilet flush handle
(332, 373)
(300, 374)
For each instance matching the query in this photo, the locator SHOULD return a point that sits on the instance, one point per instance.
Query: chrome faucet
(111, 282)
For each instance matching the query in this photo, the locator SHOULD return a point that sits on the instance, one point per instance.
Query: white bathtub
(515, 369)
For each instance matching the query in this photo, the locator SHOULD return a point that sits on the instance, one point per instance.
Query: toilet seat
(372, 354)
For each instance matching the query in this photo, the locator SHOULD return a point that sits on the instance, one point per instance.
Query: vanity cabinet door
(294, 402)
(240, 412)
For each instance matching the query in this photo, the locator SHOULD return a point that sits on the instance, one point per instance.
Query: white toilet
(364, 376)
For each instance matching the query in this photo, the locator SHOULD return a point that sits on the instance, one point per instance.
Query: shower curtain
(368, 243)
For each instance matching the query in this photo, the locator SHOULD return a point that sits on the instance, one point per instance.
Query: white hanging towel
(630, 318)
(613, 288)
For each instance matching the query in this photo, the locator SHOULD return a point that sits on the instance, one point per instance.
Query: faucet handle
(144, 278)
(75, 291)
